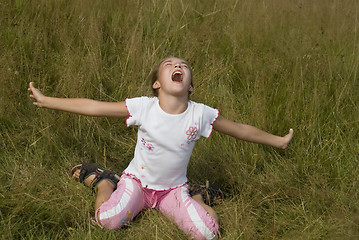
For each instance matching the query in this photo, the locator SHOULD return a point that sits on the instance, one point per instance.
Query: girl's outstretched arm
(251, 134)
(82, 106)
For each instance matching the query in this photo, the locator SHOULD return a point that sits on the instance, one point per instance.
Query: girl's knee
(115, 222)
(189, 215)
(209, 230)
(124, 204)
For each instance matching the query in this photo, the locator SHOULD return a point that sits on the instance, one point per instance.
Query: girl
(168, 127)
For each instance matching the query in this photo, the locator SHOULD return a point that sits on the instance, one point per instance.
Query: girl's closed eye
(167, 64)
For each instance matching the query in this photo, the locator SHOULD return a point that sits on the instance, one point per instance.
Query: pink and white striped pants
(130, 198)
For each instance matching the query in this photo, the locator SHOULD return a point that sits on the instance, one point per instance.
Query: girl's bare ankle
(198, 198)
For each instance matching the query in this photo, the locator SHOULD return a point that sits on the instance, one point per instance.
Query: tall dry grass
(273, 64)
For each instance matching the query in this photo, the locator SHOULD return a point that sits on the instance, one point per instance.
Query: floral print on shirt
(191, 134)
(148, 146)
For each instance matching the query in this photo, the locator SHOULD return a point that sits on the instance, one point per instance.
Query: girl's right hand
(286, 139)
(37, 95)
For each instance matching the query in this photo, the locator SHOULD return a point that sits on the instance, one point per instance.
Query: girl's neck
(173, 104)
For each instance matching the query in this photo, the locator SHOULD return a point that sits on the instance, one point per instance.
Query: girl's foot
(209, 193)
(91, 175)
(76, 175)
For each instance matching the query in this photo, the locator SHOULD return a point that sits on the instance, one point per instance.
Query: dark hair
(154, 75)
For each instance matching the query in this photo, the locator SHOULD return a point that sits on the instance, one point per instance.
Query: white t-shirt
(165, 141)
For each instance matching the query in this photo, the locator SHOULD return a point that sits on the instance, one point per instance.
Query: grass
(272, 64)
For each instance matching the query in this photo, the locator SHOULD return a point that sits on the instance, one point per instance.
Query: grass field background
(272, 64)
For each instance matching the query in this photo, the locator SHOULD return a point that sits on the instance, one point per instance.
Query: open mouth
(177, 76)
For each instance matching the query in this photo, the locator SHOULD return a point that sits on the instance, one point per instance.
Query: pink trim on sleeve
(129, 114)
(212, 123)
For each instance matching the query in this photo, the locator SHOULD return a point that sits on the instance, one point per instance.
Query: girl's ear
(190, 89)
(156, 85)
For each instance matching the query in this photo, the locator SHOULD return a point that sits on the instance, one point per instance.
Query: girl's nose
(177, 65)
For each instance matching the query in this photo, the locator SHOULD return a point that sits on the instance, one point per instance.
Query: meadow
(276, 65)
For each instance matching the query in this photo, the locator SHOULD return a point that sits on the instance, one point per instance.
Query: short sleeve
(209, 116)
(134, 107)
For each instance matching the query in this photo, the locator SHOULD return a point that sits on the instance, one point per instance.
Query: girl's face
(174, 77)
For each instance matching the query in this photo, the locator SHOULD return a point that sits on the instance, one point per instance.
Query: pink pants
(130, 198)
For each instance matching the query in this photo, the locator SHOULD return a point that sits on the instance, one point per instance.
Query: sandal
(88, 169)
(211, 194)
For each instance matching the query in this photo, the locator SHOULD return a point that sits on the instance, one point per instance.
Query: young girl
(168, 127)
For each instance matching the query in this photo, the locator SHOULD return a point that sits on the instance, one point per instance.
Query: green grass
(272, 64)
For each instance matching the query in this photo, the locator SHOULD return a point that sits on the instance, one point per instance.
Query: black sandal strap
(108, 175)
(88, 169)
